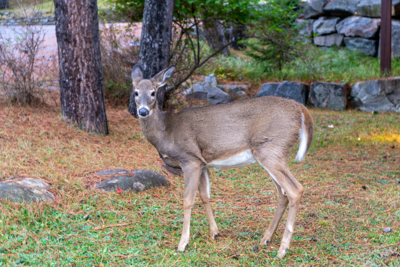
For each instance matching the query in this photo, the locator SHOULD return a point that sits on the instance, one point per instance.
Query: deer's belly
(237, 161)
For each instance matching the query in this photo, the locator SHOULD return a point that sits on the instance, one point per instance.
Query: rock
(306, 27)
(395, 39)
(329, 40)
(238, 91)
(193, 32)
(325, 25)
(141, 180)
(205, 91)
(372, 8)
(359, 27)
(267, 89)
(26, 190)
(368, 47)
(341, 8)
(328, 95)
(387, 230)
(377, 95)
(4, 4)
(113, 171)
(290, 90)
(314, 9)
(211, 79)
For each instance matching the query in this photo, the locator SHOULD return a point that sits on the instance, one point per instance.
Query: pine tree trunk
(215, 36)
(156, 36)
(81, 76)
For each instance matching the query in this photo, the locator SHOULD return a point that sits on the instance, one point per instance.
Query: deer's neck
(153, 127)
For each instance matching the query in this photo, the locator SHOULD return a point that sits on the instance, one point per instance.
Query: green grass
(329, 65)
(87, 227)
(41, 5)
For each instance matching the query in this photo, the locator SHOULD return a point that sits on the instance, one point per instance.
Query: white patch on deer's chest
(237, 161)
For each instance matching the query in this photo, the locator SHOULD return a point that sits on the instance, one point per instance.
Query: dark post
(386, 36)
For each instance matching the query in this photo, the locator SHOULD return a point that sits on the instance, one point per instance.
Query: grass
(41, 5)
(339, 223)
(329, 65)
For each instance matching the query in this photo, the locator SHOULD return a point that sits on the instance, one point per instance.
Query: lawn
(351, 178)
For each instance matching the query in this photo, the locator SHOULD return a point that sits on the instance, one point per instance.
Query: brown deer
(230, 135)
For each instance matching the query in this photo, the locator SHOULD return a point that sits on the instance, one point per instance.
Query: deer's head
(148, 94)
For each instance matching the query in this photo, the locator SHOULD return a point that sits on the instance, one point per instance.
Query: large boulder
(314, 9)
(141, 180)
(359, 27)
(26, 190)
(4, 4)
(366, 46)
(239, 91)
(205, 91)
(211, 79)
(395, 39)
(286, 89)
(378, 95)
(328, 95)
(329, 40)
(372, 8)
(306, 27)
(341, 8)
(325, 25)
(267, 89)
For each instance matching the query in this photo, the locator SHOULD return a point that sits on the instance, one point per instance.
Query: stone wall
(8, 18)
(351, 23)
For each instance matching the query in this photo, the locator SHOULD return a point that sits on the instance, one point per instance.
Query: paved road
(50, 41)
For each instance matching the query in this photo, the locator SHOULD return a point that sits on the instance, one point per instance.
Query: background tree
(81, 78)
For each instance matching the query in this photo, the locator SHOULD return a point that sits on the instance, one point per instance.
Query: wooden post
(386, 36)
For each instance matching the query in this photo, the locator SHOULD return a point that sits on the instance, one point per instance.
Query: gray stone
(4, 4)
(267, 89)
(341, 8)
(293, 90)
(193, 32)
(372, 8)
(113, 171)
(329, 40)
(359, 27)
(286, 89)
(387, 230)
(314, 9)
(377, 95)
(325, 25)
(395, 39)
(211, 79)
(25, 190)
(205, 91)
(141, 180)
(238, 91)
(328, 95)
(366, 46)
(306, 27)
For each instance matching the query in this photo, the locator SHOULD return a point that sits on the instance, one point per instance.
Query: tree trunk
(3, 4)
(156, 36)
(215, 36)
(81, 76)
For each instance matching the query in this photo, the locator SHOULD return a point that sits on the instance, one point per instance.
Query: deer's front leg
(192, 173)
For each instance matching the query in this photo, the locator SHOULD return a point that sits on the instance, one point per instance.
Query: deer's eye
(136, 93)
(153, 93)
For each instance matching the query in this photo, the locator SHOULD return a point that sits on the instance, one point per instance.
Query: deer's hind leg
(294, 191)
(204, 190)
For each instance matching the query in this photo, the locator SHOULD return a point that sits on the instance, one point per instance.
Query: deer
(232, 135)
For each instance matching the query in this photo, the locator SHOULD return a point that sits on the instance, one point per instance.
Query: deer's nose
(143, 112)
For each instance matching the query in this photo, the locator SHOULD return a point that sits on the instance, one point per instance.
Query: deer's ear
(161, 78)
(137, 74)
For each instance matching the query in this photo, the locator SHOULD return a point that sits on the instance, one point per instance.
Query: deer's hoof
(266, 242)
(215, 236)
(282, 253)
(181, 248)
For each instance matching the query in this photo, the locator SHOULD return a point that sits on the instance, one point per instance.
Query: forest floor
(351, 178)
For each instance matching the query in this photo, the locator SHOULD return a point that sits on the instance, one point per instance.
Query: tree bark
(81, 76)
(156, 36)
(215, 36)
